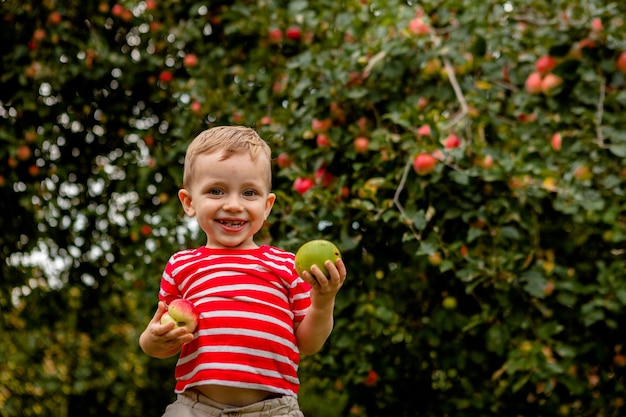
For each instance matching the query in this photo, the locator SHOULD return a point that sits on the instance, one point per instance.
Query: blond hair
(229, 140)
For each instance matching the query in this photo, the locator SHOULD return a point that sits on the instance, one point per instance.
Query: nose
(232, 204)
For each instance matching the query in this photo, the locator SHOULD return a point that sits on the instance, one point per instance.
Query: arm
(163, 340)
(312, 332)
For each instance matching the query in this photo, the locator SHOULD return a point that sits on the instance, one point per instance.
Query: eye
(215, 191)
(250, 193)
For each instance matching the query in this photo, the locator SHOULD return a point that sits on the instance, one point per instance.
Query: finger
(306, 275)
(341, 268)
(159, 312)
(319, 276)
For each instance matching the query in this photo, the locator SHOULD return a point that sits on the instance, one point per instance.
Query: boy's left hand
(325, 288)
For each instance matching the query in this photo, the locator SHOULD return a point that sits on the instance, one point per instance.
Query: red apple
(361, 144)
(424, 163)
(294, 33)
(182, 313)
(39, 35)
(362, 123)
(527, 118)
(424, 130)
(146, 230)
(190, 60)
(302, 185)
(117, 10)
(451, 142)
(275, 35)
(323, 177)
(621, 62)
(582, 173)
(545, 64)
(54, 18)
(196, 107)
(596, 25)
(166, 76)
(550, 82)
(556, 141)
(372, 378)
(33, 170)
(283, 160)
(487, 162)
(23, 153)
(319, 126)
(237, 118)
(418, 27)
(322, 140)
(533, 83)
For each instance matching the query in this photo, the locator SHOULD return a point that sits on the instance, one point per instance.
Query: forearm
(315, 328)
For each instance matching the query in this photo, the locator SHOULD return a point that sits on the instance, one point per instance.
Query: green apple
(182, 313)
(316, 252)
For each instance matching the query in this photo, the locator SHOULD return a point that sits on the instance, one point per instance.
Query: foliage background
(492, 285)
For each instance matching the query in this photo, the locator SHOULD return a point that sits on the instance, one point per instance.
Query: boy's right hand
(163, 340)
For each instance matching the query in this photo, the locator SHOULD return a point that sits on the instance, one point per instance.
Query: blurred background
(468, 158)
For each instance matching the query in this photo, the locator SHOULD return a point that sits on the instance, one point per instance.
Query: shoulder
(274, 254)
(186, 256)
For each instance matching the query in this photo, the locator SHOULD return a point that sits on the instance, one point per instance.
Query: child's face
(230, 198)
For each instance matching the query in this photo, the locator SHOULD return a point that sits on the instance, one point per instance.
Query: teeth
(231, 223)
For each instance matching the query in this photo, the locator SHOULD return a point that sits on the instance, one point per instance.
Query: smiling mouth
(232, 223)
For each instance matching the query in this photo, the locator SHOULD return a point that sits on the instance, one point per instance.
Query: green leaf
(535, 282)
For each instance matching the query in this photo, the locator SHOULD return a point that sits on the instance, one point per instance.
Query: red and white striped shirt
(249, 301)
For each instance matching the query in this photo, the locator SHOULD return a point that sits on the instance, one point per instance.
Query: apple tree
(466, 157)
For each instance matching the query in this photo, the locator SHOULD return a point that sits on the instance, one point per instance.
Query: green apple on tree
(316, 252)
(182, 313)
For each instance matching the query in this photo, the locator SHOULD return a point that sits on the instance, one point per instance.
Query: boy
(256, 314)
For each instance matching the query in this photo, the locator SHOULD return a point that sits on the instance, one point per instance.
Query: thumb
(161, 309)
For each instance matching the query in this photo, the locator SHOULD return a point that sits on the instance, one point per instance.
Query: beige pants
(194, 404)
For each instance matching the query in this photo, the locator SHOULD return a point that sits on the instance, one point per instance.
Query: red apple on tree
(545, 64)
(196, 107)
(321, 125)
(294, 33)
(550, 82)
(533, 83)
(424, 130)
(275, 35)
(621, 62)
(361, 144)
(182, 313)
(322, 140)
(23, 152)
(190, 60)
(283, 160)
(452, 141)
(55, 18)
(424, 163)
(596, 25)
(418, 27)
(166, 76)
(302, 185)
(323, 177)
(556, 141)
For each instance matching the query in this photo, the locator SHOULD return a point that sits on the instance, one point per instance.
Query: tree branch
(600, 114)
(396, 199)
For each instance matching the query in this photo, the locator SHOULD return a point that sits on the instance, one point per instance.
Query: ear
(269, 203)
(185, 199)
